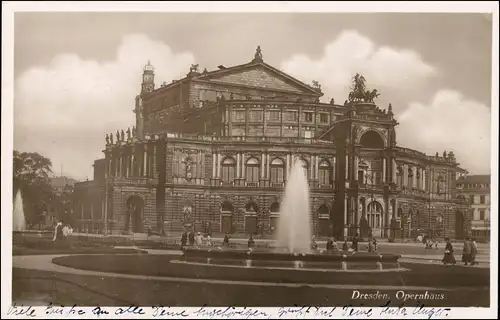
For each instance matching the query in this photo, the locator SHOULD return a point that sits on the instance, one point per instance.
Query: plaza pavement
(410, 251)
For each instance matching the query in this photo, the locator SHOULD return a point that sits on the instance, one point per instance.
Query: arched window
(440, 185)
(400, 176)
(228, 169)
(277, 170)
(252, 170)
(325, 173)
(374, 214)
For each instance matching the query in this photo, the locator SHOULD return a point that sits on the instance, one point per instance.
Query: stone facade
(216, 148)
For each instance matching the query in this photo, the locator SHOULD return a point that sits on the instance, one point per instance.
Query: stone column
(262, 166)
(154, 162)
(243, 165)
(237, 166)
(347, 167)
(414, 177)
(355, 173)
(334, 169)
(214, 173)
(394, 172)
(423, 179)
(405, 175)
(145, 162)
(316, 170)
(219, 159)
(132, 163)
(267, 165)
(384, 170)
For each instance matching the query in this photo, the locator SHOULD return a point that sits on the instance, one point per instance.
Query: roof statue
(107, 139)
(358, 90)
(122, 136)
(133, 131)
(128, 134)
(194, 68)
(111, 138)
(117, 135)
(258, 55)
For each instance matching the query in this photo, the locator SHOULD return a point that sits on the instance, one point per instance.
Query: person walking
(345, 246)
(314, 245)
(184, 238)
(225, 242)
(251, 242)
(191, 238)
(473, 252)
(466, 252)
(449, 257)
(355, 241)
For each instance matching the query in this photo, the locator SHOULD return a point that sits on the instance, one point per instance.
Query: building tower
(148, 85)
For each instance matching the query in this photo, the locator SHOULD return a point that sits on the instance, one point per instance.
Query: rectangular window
(252, 173)
(482, 200)
(308, 116)
(276, 174)
(274, 115)
(256, 115)
(323, 118)
(308, 134)
(239, 115)
(291, 116)
(481, 214)
(471, 199)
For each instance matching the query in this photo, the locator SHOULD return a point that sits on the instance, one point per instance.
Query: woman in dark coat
(467, 252)
(449, 257)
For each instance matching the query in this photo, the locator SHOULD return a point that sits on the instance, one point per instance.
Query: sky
(77, 74)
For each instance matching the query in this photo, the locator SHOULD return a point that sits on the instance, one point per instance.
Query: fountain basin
(283, 259)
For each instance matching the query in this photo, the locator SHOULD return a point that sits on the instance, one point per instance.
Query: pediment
(260, 75)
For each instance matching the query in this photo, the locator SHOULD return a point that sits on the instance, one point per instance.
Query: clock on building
(148, 78)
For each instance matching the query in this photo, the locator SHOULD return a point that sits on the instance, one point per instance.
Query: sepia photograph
(250, 159)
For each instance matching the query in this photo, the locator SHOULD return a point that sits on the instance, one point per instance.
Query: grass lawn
(68, 289)
(159, 265)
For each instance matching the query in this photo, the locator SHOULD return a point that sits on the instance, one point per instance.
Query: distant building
(215, 149)
(476, 189)
(61, 205)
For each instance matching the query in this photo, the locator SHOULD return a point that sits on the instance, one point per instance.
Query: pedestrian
(225, 242)
(184, 238)
(314, 245)
(191, 238)
(467, 251)
(355, 241)
(329, 245)
(370, 246)
(209, 240)
(199, 240)
(449, 257)
(375, 245)
(335, 247)
(345, 246)
(473, 251)
(251, 242)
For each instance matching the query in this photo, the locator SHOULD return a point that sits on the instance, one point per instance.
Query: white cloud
(449, 122)
(65, 109)
(350, 53)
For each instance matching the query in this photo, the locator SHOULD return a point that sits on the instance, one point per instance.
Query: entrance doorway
(135, 213)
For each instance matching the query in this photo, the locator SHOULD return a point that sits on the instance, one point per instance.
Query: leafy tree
(31, 176)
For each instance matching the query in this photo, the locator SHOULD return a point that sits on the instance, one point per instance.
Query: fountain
(294, 229)
(293, 242)
(18, 220)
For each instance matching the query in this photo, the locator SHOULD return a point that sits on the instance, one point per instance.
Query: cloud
(65, 109)
(351, 53)
(451, 122)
